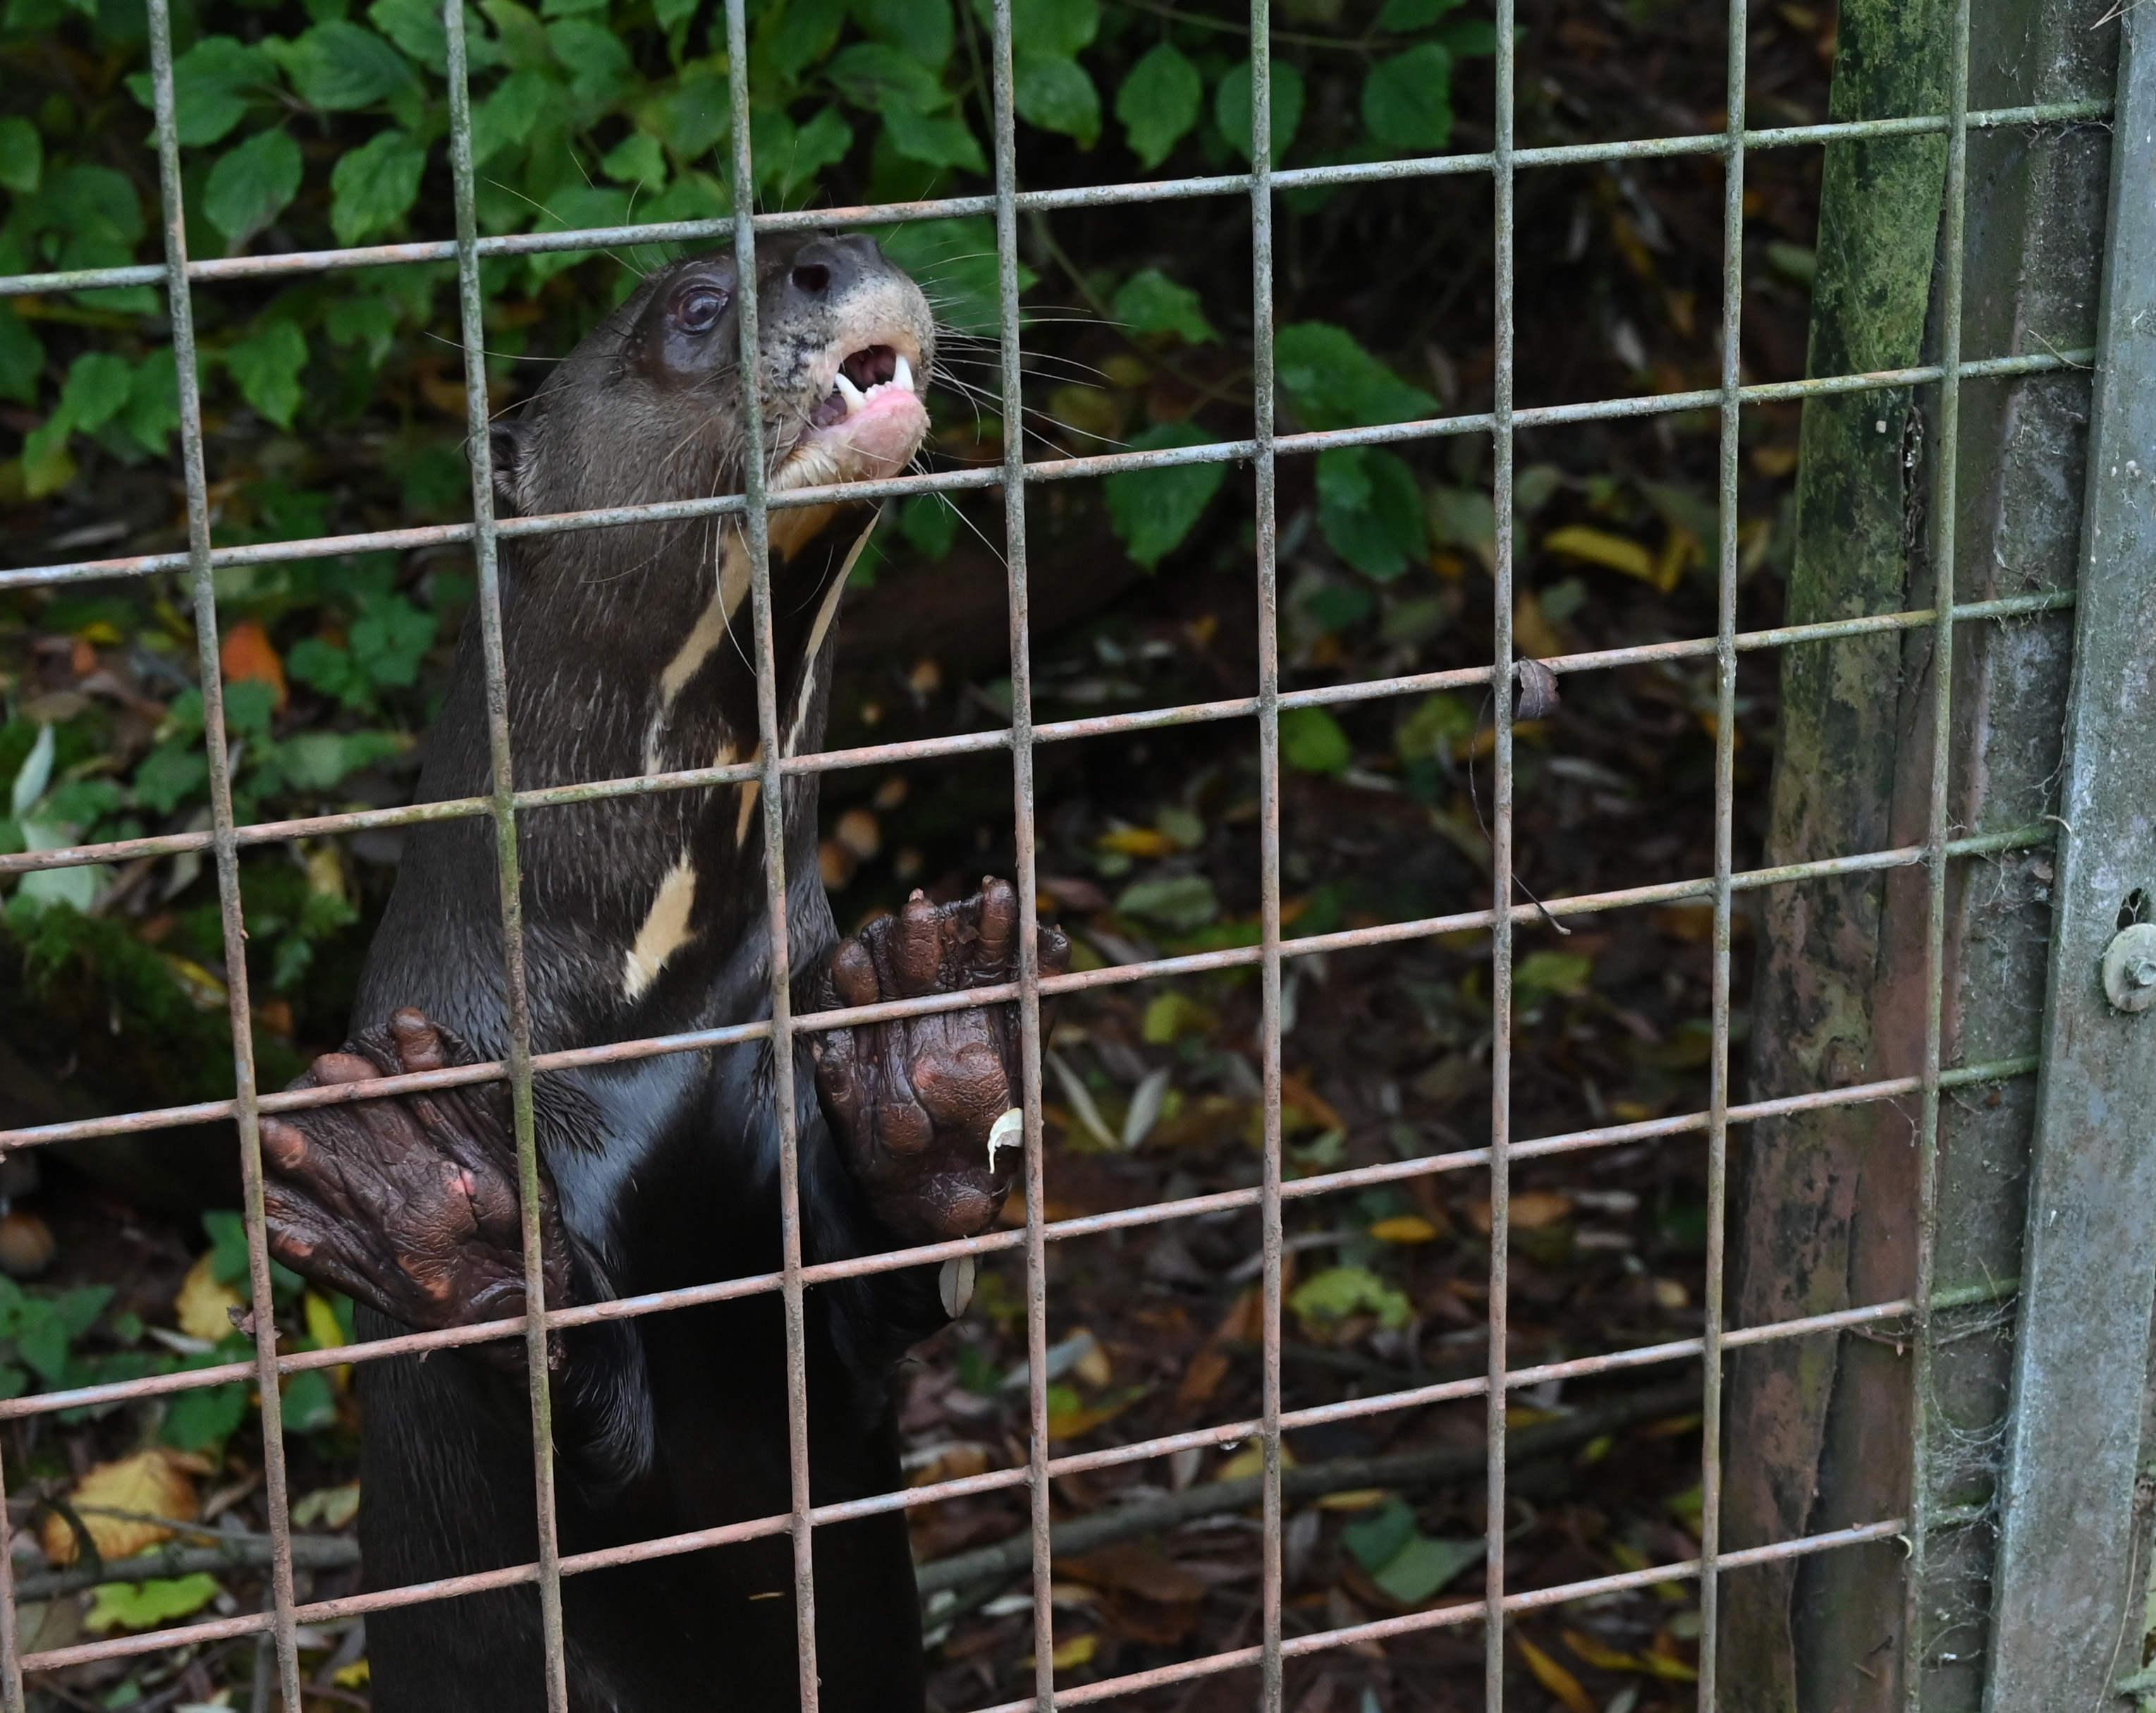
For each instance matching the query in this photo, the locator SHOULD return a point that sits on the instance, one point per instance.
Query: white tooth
(902, 376)
(851, 393)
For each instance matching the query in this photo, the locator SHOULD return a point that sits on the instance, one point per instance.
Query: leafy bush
(332, 401)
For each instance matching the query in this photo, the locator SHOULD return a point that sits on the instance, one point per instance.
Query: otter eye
(698, 309)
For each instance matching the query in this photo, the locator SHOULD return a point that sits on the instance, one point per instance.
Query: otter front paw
(407, 1203)
(915, 1102)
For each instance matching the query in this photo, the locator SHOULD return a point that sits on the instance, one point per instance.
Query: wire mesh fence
(1504, 674)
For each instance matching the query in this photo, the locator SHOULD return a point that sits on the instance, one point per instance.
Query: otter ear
(510, 444)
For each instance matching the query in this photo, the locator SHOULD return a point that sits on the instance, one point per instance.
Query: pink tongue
(884, 433)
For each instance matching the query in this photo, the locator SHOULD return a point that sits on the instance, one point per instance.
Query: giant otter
(628, 652)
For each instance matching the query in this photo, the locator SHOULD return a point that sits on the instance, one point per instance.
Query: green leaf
(92, 204)
(1338, 1292)
(922, 28)
(22, 357)
(373, 187)
(507, 116)
(1406, 100)
(319, 761)
(597, 61)
(204, 1419)
(1064, 27)
(1399, 17)
(95, 390)
(339, 66)
(1053, 92)
(1334, 383)
(955, 263)
(935, 139)
(145, 1605)
(1158, 104)
(21, 154)
(822, 142)
(1370, 510)
(636, 159)
(1543, 976)
(1434, 727)
(691, 118)
(1182, 903)
(1311, 741)
(792, 37)
(152, 410)
(170, 774)
(308, 1405)
(575, 207)
(1375, 1538)
(930, 523)
(267, 365)
(251, 185)
(329, 668)
(390, 638)
(882, 78)
(1150, 302)
(1470, 38)
(1231, 107)
(416, 27)
(1154, 510)
(1424, 1566)
(213, 83)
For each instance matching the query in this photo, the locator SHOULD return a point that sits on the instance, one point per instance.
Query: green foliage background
(334, 399)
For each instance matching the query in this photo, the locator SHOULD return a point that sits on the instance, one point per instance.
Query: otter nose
(826, 267)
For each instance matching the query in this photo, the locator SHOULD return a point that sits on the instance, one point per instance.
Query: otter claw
(1008, 1131)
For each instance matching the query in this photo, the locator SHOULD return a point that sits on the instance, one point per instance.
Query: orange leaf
(1554, 1677)
(248, 654)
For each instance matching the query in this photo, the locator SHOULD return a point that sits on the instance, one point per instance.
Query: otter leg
(915, 1101)
(408, 1204)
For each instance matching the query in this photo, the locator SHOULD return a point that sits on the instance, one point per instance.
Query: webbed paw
(916, 1101)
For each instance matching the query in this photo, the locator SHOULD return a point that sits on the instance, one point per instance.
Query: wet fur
(666, 1167)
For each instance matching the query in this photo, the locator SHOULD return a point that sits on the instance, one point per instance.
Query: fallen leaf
(1078, 1651)
(1599, 546)
(1601, 1657)
(1662, 1660)
(1297, 1092)
(1354, 1499)
(1134, 1569)
(247, 655)
(1554, 1677)
(1405, 1228)
(1531, 1211)
(1136, 841)
(1202, 1378)
(204, 1300)
(1251, 1461)
(151, 1484)
(143, 1606)
(332, 1507)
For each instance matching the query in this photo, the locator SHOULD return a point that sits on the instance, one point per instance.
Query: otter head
(648, 407)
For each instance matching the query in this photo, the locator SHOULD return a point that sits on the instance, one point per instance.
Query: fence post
(1805, 1241)
(2069, 1615)
(1823, 1207)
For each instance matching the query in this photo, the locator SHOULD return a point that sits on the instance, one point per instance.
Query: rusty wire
(1503, 161)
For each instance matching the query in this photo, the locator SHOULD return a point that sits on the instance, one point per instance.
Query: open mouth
(865, 378)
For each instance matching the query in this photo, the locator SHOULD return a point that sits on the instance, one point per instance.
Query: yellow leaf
(1554, 1677)
(353, 1676)
(1078, 1651)
(202, 1301)
(203, 991)
(1405, 1228)
(151, 1484)
(1355, 1498)
(1597, 546)
(1602, 1657)
(322, 1325)
(1662, 1665)
(1251, 1461)
(1137, 841)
